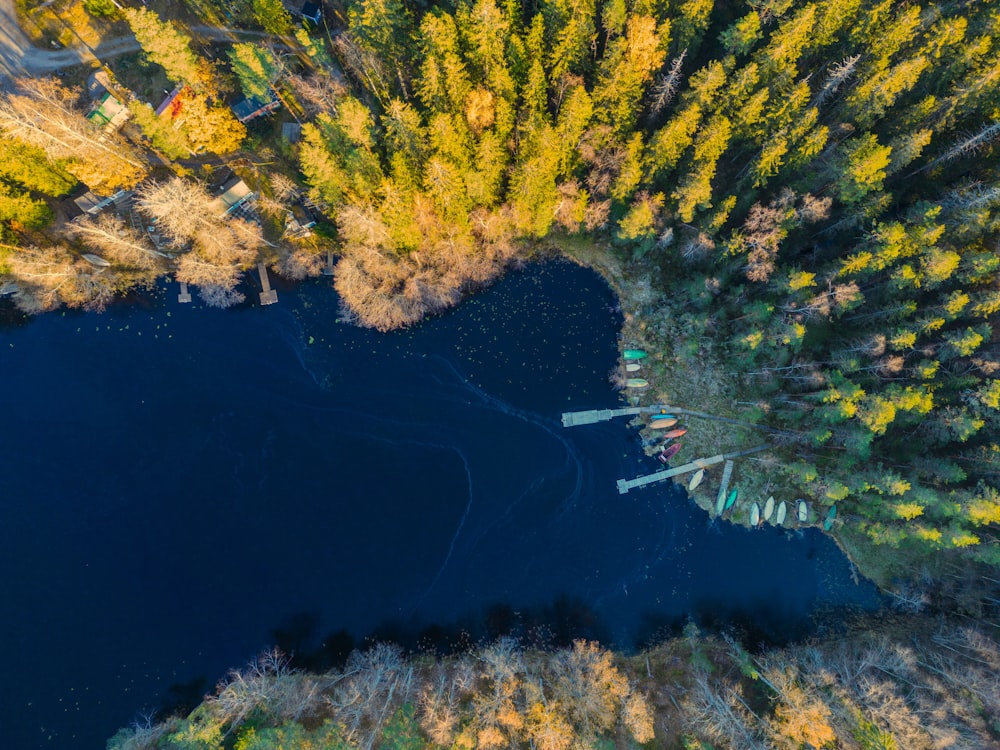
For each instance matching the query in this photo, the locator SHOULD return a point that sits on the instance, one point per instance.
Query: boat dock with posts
(267, 295)
(624, 485)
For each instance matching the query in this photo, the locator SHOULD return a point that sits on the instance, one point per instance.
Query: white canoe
(633, 367)
(696, 479)
(754, 514)
(769, 508)
(803, 510)
(782, 510)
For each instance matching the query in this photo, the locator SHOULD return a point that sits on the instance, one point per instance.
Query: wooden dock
(185, 295)
(624, 485)
(727, 473)
(267, 296)
(593, 416)
(328, 268)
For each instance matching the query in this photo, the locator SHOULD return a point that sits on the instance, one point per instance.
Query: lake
(182, 487)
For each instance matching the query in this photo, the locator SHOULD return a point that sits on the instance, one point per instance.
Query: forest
(801, 197)
(797, 202)
(915, 682)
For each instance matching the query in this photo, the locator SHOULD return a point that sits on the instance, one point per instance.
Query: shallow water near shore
(182, 487)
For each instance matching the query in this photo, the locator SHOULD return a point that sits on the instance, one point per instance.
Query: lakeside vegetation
(903, 682)
(797, 202)
(802, 195)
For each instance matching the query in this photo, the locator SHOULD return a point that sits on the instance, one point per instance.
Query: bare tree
(118, 242)
(667, 84)
(42, 112)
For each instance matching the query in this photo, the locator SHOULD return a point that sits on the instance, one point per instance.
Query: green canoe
(731, 500)
(719, 503)
(634, 354)
(830, 516)
(636, 383)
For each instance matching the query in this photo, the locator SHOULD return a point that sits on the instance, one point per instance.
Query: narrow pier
(185, 295)
(593, 416)
(727, 473)
(328, 268)
(624, 485)
(267, 296)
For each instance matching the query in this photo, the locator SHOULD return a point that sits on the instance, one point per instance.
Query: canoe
(782, 510)
(830, 516)
(720, 503)
(803, 510)
(731, 500)
(664, 423)
(696, 479)
(754, 514)
(675, 433)
(769, 508)
(633, 367)
(636, 383)
(634, 354)
(96, 260)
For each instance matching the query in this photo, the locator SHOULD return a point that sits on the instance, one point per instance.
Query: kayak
(830, 516)
(731, 500)
(782, 510)
(634, 354)
(696, 479)
(769, 508)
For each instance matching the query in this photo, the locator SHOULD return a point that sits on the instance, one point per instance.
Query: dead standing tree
(216, 250)
(44, 113)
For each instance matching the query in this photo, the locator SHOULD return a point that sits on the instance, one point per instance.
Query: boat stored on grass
(669, 452)
(632, 354)
(830, 517)
(769, 508)
(633, 367)
(754, 514)
(731, 500)
(675, 433)
(662, 423)
(696, 479)
(782, 510)
(636, 383)
(803, 510)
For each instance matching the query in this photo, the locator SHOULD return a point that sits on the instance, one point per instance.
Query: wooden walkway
(624, 485)
(593, 416)
(727, 474)
(267, 295)
(185, 295)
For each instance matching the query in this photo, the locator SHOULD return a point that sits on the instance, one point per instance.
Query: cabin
(92, 204)
(172, 104)
(108, 112)
(305, 9)
(233, 195)
(250, 108)
(299, 222)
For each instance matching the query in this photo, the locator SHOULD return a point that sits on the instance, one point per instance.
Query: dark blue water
(181, 487)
